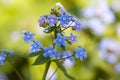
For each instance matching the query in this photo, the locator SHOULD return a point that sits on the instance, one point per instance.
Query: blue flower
(28, 37)
(80, 53)
(35, 47)
(41, 20)
(2, 58)
(77, 26)
(72, 38)
(8, 51)
(60, 40)
(52, 20)
(50, 52)
(64, 18)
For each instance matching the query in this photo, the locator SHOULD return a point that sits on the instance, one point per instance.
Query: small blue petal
(80, 53)
(51, 20)
(35, 47)
(28, 37)
(45, 54)
(2, 58)
(50, 51)
(60, 40)
(64, 18)
(77, 55)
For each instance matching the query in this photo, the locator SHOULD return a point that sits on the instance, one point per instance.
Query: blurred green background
(19, 15)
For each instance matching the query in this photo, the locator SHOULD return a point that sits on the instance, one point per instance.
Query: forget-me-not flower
(77, 26)
(52, 20)
(35, 47)
(72, 38)
(60, 41)
(80, 53)
(50, 51)
(41, 20)
(64, 18)
(28, 37)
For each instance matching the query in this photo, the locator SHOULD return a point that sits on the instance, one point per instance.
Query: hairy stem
(62, 58)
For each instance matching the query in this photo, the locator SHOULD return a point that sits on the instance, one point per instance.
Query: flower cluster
(59, 18)
(58, 21)
(35, 46)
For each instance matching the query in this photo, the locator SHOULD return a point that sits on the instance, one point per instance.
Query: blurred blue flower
(60, 40)
(77, 26)
(28, 37)
(35, 47)
(2, 58)
(117, 67)
(111, 58)
(8, 51)
(64, 18)
(72, 38)
(41, 20)
(51, 52)
(52, 20)
(80, 53)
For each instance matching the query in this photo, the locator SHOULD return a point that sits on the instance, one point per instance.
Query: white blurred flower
(111, 58)
(109, 50)
(15, 35)
(116, 5)
(88, 12)
(117, 50)
(49, 74)
(118, 29)
(108, 44)
(40, 31)
(3, 76)
(108, 17)
(69, 64)
(96, 25)
(101, 10)
(102, 54)
(117, 67)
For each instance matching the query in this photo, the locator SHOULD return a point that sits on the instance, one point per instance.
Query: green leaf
(64, 70)
(33, 54)
(41, 60)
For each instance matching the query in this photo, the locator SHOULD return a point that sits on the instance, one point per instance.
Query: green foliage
(33, 54)
(40, 59)
(64, 70)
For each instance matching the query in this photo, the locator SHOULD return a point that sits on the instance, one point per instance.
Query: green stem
(16, 71)
(46, 70)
